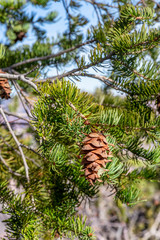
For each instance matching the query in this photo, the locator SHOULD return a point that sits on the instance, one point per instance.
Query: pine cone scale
(91, 158)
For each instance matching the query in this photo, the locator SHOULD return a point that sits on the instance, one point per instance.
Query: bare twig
(27, 102)
(100, 5)
(13, 123)
(66, 7)
(17, 116)
(17, 142)
(36, 67)
(9, 169)
(36, 59)
(21, 99)
(95, 6)
(26, 99)
(108, 81)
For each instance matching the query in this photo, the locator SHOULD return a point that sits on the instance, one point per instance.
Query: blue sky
(87, 84)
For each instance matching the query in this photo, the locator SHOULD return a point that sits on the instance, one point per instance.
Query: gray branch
(19, 77)
(16, 115)
(154, 230)
(108, 81)
(21, 98)
(17, 142)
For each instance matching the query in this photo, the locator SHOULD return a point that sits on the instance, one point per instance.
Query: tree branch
(21, 99)
(19, 77)
(69, 73)
(16, 115)
(17, 142)
(154, 230)
(100, 5)
(36, 59)
(108, 81)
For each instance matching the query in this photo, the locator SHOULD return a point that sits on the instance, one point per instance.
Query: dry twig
(17, 142)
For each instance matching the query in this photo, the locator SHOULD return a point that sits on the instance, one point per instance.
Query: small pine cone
(96, 151)
(20, 36)
(5, 89)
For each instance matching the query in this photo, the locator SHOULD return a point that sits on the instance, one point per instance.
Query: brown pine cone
(96, 152)
(5, 89)
(20, 36)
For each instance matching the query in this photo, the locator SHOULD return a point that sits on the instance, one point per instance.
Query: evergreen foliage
(45, 159)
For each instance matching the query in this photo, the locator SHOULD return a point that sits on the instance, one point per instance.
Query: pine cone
(20, 36)
(96, 150)
(5, 89)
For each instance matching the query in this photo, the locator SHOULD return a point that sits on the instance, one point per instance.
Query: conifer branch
(140, 51)
(31, 60)
(136, 72)
(70, 73)
(146, 42)
(61, 112)
(9, 169)
(16, 151)
(31, 149)
(128, 127)
(75, 109)
(18, 144)
(140, 75)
